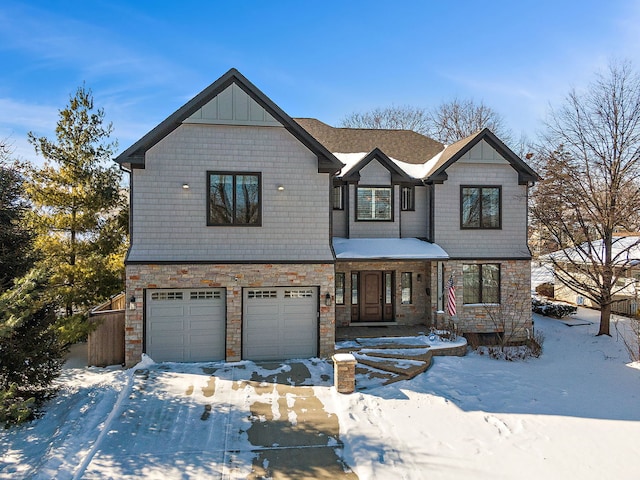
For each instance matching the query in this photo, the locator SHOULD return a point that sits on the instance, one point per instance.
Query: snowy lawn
(573, 413)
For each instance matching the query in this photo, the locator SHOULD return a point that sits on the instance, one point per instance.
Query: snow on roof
(387, 248)
(419, 170)
(625, 252)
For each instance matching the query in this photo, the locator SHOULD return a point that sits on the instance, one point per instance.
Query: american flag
(451, 297)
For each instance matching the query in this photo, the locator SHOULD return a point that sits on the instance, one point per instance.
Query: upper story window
(374, 203)
(480, 207)
(233, 199)
(407, 198)
(337, 198)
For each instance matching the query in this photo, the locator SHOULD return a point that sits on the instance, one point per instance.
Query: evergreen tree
(30, 351)
(15, 239)
(77, 201)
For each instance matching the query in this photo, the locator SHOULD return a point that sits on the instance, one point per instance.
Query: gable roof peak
(134, 156)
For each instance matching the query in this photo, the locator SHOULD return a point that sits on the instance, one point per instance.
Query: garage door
(280, 323)
(185, 325)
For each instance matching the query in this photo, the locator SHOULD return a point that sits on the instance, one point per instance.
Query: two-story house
(253, 234)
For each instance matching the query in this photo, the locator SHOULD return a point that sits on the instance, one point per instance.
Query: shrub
(552, 309)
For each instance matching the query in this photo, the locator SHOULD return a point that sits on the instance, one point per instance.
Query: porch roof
(387, 248)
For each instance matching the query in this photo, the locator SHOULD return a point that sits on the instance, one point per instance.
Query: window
(480, 207)
(405, 284)
(338, 197)
(233, 199)
(339, 288)
(374, 203)
(407, 198)
(388, 288)
(481, 283)
(354, 288)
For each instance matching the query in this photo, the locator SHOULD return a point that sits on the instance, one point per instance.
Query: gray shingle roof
(404, 145)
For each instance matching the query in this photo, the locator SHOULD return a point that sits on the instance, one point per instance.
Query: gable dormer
(373, 166)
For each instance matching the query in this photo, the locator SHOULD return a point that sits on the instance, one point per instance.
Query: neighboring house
(253, 235)
(626, 260)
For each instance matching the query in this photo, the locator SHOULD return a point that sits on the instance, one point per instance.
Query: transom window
(481, 283)
(407, 198)
(480, 207)
(233, 199)
(374, 204)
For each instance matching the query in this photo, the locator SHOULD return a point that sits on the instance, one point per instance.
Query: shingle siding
(508, 242)
(416, 223)
(170, 223)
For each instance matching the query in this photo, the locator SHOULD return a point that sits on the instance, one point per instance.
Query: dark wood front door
(371, 309)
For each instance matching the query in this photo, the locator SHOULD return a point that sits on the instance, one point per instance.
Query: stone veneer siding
(142, 277)
(416, 313)
(515, 296)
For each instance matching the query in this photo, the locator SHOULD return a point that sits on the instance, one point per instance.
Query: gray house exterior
(253, 234)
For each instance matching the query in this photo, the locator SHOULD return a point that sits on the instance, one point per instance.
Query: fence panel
(106, 342)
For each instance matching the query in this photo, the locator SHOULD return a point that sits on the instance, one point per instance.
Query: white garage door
(185, 325)
(280, 323)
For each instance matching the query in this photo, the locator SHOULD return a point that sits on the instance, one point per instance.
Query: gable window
(481, 283)
(337, 198)
(339, 288)
(407, 198)
(480, 207)
(374, 204)
(405, 283)
(233, 199)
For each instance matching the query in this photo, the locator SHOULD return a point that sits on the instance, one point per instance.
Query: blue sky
(323, 59)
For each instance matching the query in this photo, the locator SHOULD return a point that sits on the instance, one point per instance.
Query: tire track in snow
(124, 393)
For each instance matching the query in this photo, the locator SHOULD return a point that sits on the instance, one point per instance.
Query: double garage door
(188, 325)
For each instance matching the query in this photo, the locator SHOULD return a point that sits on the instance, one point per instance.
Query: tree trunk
(605, 319)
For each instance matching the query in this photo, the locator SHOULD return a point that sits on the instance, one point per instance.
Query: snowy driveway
(190, 421)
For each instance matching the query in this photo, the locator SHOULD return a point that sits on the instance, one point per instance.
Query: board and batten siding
(170, 223)
(482, 166)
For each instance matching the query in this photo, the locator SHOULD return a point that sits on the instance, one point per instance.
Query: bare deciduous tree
(457, 119)
(591, 184)
(394, 118)
(447, 123)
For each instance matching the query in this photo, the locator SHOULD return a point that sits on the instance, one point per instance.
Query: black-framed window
(374, 204)
(339, 288)
(233, 198)
(337, 197)
(481, 283)
(407, 198)
(406, 287)
(480, 207)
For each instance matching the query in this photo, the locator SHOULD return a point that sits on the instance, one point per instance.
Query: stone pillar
(344, 372)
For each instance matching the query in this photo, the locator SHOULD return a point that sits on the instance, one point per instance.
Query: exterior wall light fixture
(185, 186)
(132, 303)
(327, 299)
(281, 188)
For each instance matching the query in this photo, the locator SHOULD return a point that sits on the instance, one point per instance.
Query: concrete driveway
(243, 420)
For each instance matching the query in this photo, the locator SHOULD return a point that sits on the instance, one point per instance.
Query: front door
(371, 307)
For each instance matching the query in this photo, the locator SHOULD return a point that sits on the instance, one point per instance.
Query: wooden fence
(106, 343)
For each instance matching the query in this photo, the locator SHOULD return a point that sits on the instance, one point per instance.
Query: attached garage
(184, 325)
(280, 323)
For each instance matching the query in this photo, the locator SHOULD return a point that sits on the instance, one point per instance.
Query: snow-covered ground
(573, 413)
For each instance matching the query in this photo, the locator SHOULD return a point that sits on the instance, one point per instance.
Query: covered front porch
(385, 282)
